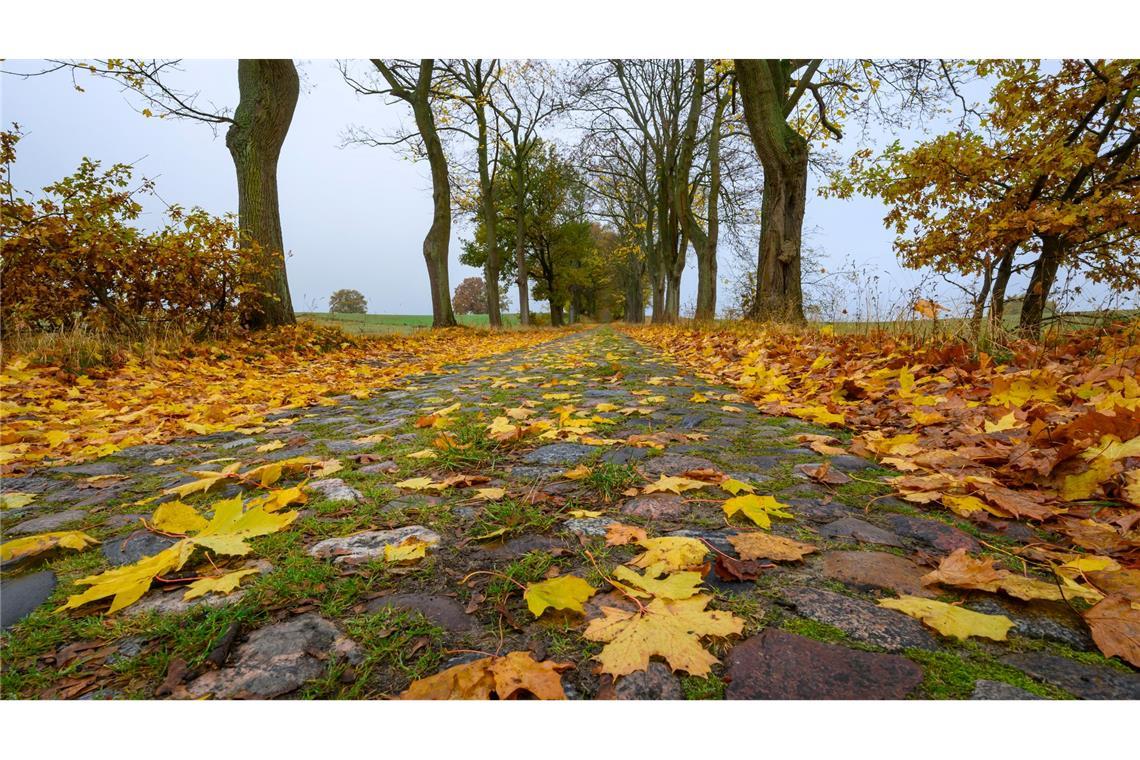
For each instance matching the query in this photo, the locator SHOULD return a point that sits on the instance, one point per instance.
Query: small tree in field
(347, 301)
(470, 297)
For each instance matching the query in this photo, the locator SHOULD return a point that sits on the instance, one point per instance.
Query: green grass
(394, 323)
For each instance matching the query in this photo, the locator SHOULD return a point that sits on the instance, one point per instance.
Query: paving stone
(535, 472)
(657, 682)
(875, 570)
(170, 602)
(848, 463)
(91, 469)
(412, 501)
(675, 464)
(588, 526)
(513, 548)
(343, 447)
(997, 690)
(240, 443)
(624, 455)
(559, 454)
(655, 506)
(862, 621)
(817, 511)
(1049, 621)
(132, 548)
(776, 664)
(933, 533)
(692, 421)
(1079, 679)
(443, 611)
(32, 484)
(362, 547)
(334, 489)
(854, 528)
(49, 523)
(718, 538)
(380, 468)
(118, 522)
(278, 659)
(22, 594)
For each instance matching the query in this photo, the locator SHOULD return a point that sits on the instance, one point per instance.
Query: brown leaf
(1115, 626)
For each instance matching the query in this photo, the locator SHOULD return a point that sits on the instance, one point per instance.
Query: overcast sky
(352, 217)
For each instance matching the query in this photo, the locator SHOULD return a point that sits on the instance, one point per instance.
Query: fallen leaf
(220, 584)
(564, 592)
(1115, 626)
(506, 677)
(950, 620)
(756, 508)
(19, 548)
(767, 546)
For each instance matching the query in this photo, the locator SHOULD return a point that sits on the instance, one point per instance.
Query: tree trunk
(555, 313)
(783, 152)
(1040, 284)
(438, 238)
(487, 196)
(268, 96)
(520, 258)
(634, 306)
(1001, 280)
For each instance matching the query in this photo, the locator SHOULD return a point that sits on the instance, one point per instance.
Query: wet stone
(22, 594)
(818, 512)
(655, 506)
(91, 469)
(412, 501)
(558, 454)
(624, 455)
(128, 550)
(779, 665)
(170, 602)
(675, 464)
(129, 648)
(240, 443)
(848, 463)
(657, 682)
(939, 535)
(278, 659)
(1041, 620)
(881, 570)
(514, 548)
(692, 421)
(334, 489)
(118, 522)
(860, 620)
(1080, 680)
(31, 484)
(998, 690)
(588, 526)
(854, 528)
(343, 447)
(362, 547)
(48, 523)
(443, 611)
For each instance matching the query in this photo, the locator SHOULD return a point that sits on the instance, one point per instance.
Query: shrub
(73, 257)
(347, 301)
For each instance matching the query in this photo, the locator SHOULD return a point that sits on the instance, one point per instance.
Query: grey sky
(352, 217)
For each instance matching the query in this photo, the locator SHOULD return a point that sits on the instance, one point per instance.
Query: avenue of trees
(590, 185)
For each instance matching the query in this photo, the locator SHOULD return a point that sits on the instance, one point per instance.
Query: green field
(394, 323)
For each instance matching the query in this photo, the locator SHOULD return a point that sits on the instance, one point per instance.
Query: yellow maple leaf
(176, 517)
(219, 584)
(577, 473)
(271, 446)
(674, 484)
(699, 398)
(506, 677)
(16, 499)
(734, 486)
(667, 628)
(680, 585)
(756, 508)
(584, 513)
(490, 494)
(670, 553)
(950, 620)
(422, 454)
(416, 484)
(28, 546)
(1006, 422)
(128, 583)
(410, 549)
(563, 592)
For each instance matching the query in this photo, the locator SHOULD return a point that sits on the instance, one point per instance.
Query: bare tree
(526, 99)
(413, 82)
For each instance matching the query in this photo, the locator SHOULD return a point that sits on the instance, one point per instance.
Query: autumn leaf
(176, 517)
(422, 454)
(15, 499)
(219, 584)
(28, 546)
(671, 629)
(1114, 623)
(230, 526)
(674, 484)
(584, 513)
(408, 550)
(416, 484)
(618, 534)
(950, 620)
(680, 585)
(563, 592)
(767, 546)
(128, 583)
(507, 677)
(271, 446)
(670, 553)
(577, 473)
(734, 486)
(758, 509)
(490, 494)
